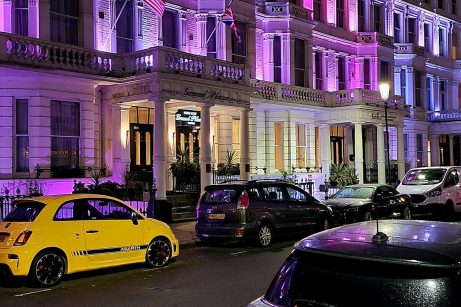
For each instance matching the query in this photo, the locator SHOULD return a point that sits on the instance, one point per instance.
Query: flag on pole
(228, 19)
(157, 5)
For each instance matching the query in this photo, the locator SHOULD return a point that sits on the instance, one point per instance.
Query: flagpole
(115, 23)
(217, 24)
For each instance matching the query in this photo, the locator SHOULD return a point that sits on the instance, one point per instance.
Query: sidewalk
(185, 233)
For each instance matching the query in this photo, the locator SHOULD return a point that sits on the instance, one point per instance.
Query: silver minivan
(435, 190)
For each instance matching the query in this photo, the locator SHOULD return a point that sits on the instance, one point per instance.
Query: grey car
(375, 263)
(258, 210)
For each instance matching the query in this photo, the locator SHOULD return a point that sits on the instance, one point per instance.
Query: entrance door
(336, 144)
(141, 146)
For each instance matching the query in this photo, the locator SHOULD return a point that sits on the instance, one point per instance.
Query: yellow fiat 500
(46, 237)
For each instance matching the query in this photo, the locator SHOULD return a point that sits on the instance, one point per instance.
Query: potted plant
(342, 175)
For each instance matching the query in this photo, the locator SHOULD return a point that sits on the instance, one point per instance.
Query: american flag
(157, 5)
(228, 19)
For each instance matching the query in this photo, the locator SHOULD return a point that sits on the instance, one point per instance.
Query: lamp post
(384, 91)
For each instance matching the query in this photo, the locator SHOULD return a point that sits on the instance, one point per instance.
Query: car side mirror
(134, 218)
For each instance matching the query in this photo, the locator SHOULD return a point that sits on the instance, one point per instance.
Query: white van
(433, 189)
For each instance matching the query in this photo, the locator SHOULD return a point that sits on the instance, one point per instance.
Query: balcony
(43, 54)
(284, 8)
(444, 116)
(400, 48)
(375, 37)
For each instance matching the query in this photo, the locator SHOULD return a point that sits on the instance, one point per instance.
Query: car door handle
(92, 231)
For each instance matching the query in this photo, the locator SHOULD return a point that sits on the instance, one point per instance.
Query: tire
(264, 235)
(407, 214)
(367, 216)
(47, 268)
(158, 252)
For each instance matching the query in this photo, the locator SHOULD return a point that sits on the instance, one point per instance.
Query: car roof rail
(232, 180)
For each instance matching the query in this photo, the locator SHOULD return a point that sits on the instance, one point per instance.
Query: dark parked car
(364, 202)
(409, 263)
(257, 210)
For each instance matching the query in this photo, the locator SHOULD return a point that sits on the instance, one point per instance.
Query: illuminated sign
(187, 118)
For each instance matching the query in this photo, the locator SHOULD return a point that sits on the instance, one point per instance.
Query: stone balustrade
(443, 116)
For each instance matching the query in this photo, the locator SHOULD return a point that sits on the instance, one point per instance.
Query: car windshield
(424, 176)
(309, 279)
(24, 211)
(355, 192)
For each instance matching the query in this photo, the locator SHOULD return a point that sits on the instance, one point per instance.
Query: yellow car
(49, 236)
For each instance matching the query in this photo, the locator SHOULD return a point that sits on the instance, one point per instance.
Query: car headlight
(435, 192)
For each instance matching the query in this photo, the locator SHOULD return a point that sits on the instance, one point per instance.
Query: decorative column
(410, 86)
(374, 76)
(359, 74)
(201, 33)
(324, 59)
(160, 167)
(311, 145)
(436, 94)
(420, 33)
(450, 149)
(268, 57)
(435, 35)
(358, 152)
(435, 148)
(309, 63)
(400, 153)
(287, 54)
(125, 135)
(171, 136)
(380, 154)
(324, 146)
(120, 139)
(423, 95)
(182, 31)
(261, 151)
(244, 144)
(205, 147)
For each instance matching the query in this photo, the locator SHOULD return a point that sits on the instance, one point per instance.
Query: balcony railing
(444, 116)
(408, 49)
(375, 37)
(33, 52)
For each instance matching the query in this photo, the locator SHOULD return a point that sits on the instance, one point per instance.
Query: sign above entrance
(187, 118)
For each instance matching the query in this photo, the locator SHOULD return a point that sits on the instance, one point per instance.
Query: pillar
(324, 146)
(436, 94)
(120, 140)
(287, 53)
(310, 63)
(435, 147)
(244, 144)
(400, 153)
(205, 148)
(160, 167)
(381, 160)
(182, 31)
(359, 152)
(450, 149)
(201, 33)
(268, 57)
(397, 82)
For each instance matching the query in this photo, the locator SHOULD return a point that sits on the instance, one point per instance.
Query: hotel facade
(102, 84)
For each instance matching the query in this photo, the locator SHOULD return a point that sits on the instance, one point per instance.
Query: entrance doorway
(141, 146)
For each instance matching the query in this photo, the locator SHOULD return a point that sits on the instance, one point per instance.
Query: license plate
(216, 216)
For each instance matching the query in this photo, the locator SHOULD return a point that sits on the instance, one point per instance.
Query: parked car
(46, 237)
(364, 202)
(406, 263)
(434, 190)
(258, 210)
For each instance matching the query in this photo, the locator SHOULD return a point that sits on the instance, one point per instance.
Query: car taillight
(22, 238)
(243, 201)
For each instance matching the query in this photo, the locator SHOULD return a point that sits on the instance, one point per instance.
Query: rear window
(24, 211)
(307, 279)
(220, 196)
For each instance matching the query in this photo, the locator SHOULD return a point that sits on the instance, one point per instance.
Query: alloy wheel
(367, 216)
(48, 269)
(158, 253)
(264, 236)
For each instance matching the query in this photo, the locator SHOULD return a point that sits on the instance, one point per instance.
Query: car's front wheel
(158, 252)
(264, 235)
(47, 269)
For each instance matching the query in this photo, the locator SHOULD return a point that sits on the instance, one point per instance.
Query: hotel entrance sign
(188, 118)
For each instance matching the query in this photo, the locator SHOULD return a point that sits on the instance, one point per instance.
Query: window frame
(65, 20)
(21, 135)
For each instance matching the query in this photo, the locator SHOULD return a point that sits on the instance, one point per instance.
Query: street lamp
(384, 90)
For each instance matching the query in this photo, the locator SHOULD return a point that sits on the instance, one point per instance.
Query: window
(318, 70)
(277, 52)
(341, 73)
(21, 16)
(278, 144)
(300, 62)
(340, 13)
(65, 134)
(362, 10)
(442, 94)
(64, 20)
(169, 29)
(140, 18)
(419, 150)
(405, 145)
(384, 71)
(427, 37)
(442, 42)
(301, 147)
(403, 82)
(236, 137)
(453, 7)
(273, 193)
(70, 211)
(24, 211)
(239, 47)
(397, 28)
(412, 30)
(211, 36)
(428, 94)
(366, 74)
(22, 135)
(317, 10)
(418, 88)
(377, 23)
(440, 4)
(296, 195)
(124, 26)
(107, 209)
